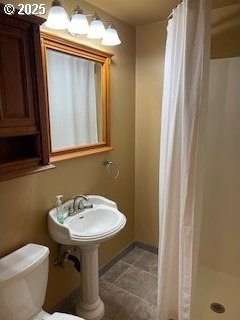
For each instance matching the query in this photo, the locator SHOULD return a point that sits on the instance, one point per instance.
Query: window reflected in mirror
(77, 89)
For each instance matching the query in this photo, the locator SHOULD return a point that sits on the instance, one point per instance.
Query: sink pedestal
(90, 306)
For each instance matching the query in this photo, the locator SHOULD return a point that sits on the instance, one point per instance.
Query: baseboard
(145, 246)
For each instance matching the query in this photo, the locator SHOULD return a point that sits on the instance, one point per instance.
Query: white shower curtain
(184, 104)
(72, 100)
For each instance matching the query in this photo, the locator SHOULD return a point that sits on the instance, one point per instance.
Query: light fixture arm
(56, 3)
(91, 14)
(109, 24)
(77, 10)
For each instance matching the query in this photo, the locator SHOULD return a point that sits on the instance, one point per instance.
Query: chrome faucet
(80, 206)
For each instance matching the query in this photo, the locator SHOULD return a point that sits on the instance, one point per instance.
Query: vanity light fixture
(111, 37)
(57, 17)
(79, 23)
(96, 28)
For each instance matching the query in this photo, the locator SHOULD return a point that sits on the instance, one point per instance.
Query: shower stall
(218, 282)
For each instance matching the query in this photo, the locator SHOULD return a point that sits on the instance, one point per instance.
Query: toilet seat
(63, 316)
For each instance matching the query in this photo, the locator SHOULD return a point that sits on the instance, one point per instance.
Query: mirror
(77, 88)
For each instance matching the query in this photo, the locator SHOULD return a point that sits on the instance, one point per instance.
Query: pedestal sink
(87, 229)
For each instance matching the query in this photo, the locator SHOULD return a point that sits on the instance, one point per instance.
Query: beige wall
(24, 202)
(150, 51)
(150, 47)
(220, 236)
(225, 41)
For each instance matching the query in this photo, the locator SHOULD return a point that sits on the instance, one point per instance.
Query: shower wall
(220, 237)
(219, 269)
(218, 278)
(221, 207)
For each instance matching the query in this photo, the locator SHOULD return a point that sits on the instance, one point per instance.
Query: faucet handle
(69, 209)
(82, 206)
(83, 197)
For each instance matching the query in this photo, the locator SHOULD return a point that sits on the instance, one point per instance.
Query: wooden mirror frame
(49, 41)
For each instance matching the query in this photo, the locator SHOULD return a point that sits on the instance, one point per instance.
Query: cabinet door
(16, 84)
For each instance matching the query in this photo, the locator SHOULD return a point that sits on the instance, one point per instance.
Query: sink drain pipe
(67, 255)
(76, 262)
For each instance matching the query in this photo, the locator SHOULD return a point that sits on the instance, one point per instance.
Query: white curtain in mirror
(72, 100)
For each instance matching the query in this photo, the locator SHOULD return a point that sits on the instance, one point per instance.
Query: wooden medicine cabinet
(23, 122)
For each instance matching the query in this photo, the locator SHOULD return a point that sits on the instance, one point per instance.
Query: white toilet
(23, 283)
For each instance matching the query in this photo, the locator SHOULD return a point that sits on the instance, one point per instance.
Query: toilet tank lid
(22, 261)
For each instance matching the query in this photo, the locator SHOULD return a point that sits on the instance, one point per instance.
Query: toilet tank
(23, 282)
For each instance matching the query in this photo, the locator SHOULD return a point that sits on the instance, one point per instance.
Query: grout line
(135, 244)
(133, 265)
(133, 294)
(99, 285)
(122, 273)
(116, 258)
(114, 283)
(141, 255)
(154, 275)
(129, 265)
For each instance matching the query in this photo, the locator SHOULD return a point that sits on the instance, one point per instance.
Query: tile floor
(129, 288)
(129, 291)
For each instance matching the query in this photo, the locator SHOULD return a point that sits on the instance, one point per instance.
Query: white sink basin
(90, 226)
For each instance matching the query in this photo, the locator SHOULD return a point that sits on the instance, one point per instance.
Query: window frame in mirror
(53, 42)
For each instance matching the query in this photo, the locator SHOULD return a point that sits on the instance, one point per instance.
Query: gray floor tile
(119, 304)
(146, 311)
(148, 262)
(133, 255)
(152, 296)
(103, 285)
(137, 282)
(115, 272)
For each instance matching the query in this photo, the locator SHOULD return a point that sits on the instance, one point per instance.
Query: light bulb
(57, 17)
(96, 28)
(79, 23)
(111, 37)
